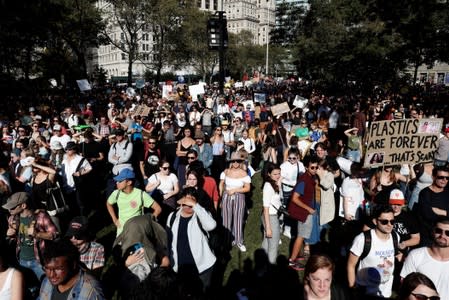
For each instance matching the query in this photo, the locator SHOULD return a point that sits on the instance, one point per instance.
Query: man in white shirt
(374, 275)
(433, 261)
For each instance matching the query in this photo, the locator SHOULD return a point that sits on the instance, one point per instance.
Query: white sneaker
(241, 247)
(287, 232)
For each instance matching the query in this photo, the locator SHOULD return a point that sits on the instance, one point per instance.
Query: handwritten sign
(402, 141)
(279, 109)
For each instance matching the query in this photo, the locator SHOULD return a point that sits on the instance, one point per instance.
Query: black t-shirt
(185, 256)
(405, 225)
(56, 295)
(90, 150)
(150, 162)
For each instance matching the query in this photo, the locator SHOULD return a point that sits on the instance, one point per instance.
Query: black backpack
(368, 240)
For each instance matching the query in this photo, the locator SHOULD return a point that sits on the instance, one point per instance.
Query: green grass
(253, 233)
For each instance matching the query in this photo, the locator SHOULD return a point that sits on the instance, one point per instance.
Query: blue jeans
(353, 155)
(33, 265)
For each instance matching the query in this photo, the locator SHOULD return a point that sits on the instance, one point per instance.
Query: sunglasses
(313, 167)
(443, 177)
(237, 161)
(191, 157)
(218, 130)
(293, 158)
(185, 205)
(165, 168)
(424, 297)
(441, 231)
(151, 143)
(385, 222)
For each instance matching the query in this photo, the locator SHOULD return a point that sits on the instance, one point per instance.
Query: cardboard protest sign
(83, 85)
(404, 141)
(279, 109)
(141, 110)
(300, 102)
(196, 90)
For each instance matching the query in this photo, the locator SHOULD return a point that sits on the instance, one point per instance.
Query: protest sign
(83, 85)
(166, 90)
(260, 97)
(404, 141)
(196, 90)
(300, 102)
(279, 109)
(141, 110)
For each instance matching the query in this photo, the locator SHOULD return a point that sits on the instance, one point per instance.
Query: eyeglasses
(385, 222)
(443, 177)
(191, 157)
(424, 297)
(441, 231)
(165, 168)
(313, 167)
(292, 158)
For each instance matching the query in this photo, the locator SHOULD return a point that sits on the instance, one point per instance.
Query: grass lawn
(253, 232)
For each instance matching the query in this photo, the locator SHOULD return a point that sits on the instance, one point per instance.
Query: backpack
(368, 240)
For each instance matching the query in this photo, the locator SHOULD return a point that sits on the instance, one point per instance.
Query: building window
(123, 56)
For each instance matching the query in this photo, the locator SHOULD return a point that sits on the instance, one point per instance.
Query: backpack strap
(80, 164)
(368, 240)
(366, 245)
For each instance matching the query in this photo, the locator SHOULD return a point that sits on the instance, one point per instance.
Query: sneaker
(241, 247)
(287, 233)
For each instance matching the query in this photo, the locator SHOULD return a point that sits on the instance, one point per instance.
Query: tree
(165, 18)
(129, 17)
(289, 16)
(193, 47)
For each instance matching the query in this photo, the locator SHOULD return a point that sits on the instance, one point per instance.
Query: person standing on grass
(234, 183)
(130, 200)
(303, 200)
(272, 194)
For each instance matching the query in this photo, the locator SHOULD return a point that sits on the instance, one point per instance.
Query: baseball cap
(125, 174)
(199, 135)
(224, 122)
(15, 200)
(57, 127)
(78, 228)
(397, 197)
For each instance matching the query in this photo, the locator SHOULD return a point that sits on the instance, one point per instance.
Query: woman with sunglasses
(218, 150)
(291, 169)
(163, 187)
(417, 286)
(383, 181)
(234, 183)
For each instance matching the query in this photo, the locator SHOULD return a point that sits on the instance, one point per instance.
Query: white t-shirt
(375, 271)
(271, 199)
(419, 260)
(167, 184)
(352, 189)
(290, 173)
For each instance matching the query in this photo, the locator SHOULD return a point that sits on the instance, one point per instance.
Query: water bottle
(367, 208)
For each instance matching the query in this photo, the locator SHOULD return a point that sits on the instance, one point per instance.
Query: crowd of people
(173, 177)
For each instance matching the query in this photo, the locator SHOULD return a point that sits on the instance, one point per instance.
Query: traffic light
(216, 30)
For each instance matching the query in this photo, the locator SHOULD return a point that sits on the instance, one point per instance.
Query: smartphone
(136, 247)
